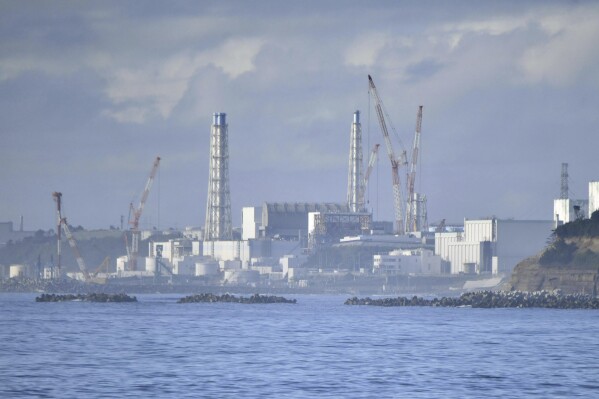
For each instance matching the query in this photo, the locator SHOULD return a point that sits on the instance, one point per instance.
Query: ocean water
(317, 348)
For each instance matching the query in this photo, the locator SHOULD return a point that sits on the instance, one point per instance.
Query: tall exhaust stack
(564, 186)
(355, 176)
(218, 206)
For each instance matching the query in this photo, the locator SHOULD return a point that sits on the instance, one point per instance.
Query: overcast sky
(92, 92)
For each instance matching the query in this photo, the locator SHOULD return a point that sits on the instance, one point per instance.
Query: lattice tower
(218, 206)
(355, 175)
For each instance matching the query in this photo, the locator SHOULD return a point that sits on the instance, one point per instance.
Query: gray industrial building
(285, 220)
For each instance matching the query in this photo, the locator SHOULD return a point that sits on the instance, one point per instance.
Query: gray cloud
(90, 93)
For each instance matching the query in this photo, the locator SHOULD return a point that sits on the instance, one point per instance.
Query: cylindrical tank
(17, 271)
(207, 268)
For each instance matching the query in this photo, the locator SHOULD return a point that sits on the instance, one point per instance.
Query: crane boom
(411, 217)
(371, 162)
(395, 162)
(137, 216)
(146, 192)
(73, 244)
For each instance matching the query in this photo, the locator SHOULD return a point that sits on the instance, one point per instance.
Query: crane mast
(395, 162)
(58, 198)
(412, 203)
(135, 233)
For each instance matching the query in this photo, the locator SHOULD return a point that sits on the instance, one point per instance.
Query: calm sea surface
(316, 348)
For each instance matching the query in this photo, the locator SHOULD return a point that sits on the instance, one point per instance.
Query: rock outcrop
(256, 298)
(531, 276)
(86, 297)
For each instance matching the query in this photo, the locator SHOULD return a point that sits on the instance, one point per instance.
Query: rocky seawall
(256, 298)
(489, 299)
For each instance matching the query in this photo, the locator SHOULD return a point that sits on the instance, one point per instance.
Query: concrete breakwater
(256, 298)
(488, 299)
(101, 297)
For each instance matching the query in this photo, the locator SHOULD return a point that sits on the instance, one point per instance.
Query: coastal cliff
(530, 276)
(569, 263)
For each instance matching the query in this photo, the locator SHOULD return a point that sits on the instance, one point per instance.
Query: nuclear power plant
(302, 244)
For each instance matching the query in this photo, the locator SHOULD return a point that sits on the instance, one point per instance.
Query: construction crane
(103, 266)
(63, 225)
(412, 202)
(134, 220)
(395, 162)
(58, 198)
(73, 244)
(371, 162)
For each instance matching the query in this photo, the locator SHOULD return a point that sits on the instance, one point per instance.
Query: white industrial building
(492, 245)
(414, 261)
(593, 197)
(288, 220)
(412, 241)
(567, 210)
(182, 255)
(251, 221)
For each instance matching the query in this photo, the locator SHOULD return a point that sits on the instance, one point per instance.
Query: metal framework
(564, 186)
(412, 208)
(218, 206)
(371, 162)
(398, 205)
(355, 186)
(329, 226)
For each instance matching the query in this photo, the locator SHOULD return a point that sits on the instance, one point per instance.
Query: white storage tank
(207, 268)
(17, 271)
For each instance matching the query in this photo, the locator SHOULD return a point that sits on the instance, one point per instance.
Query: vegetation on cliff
(574, 244)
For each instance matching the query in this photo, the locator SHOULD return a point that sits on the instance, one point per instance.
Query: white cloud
(158, 87)
(493, 26)
(236, 56)
(570, 50)
(128, 115)
(365, 49)
(12, 67)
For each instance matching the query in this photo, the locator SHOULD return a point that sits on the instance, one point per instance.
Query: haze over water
(316, 348)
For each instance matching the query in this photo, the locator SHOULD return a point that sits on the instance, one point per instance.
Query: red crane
(395, 162)
(134, 221)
